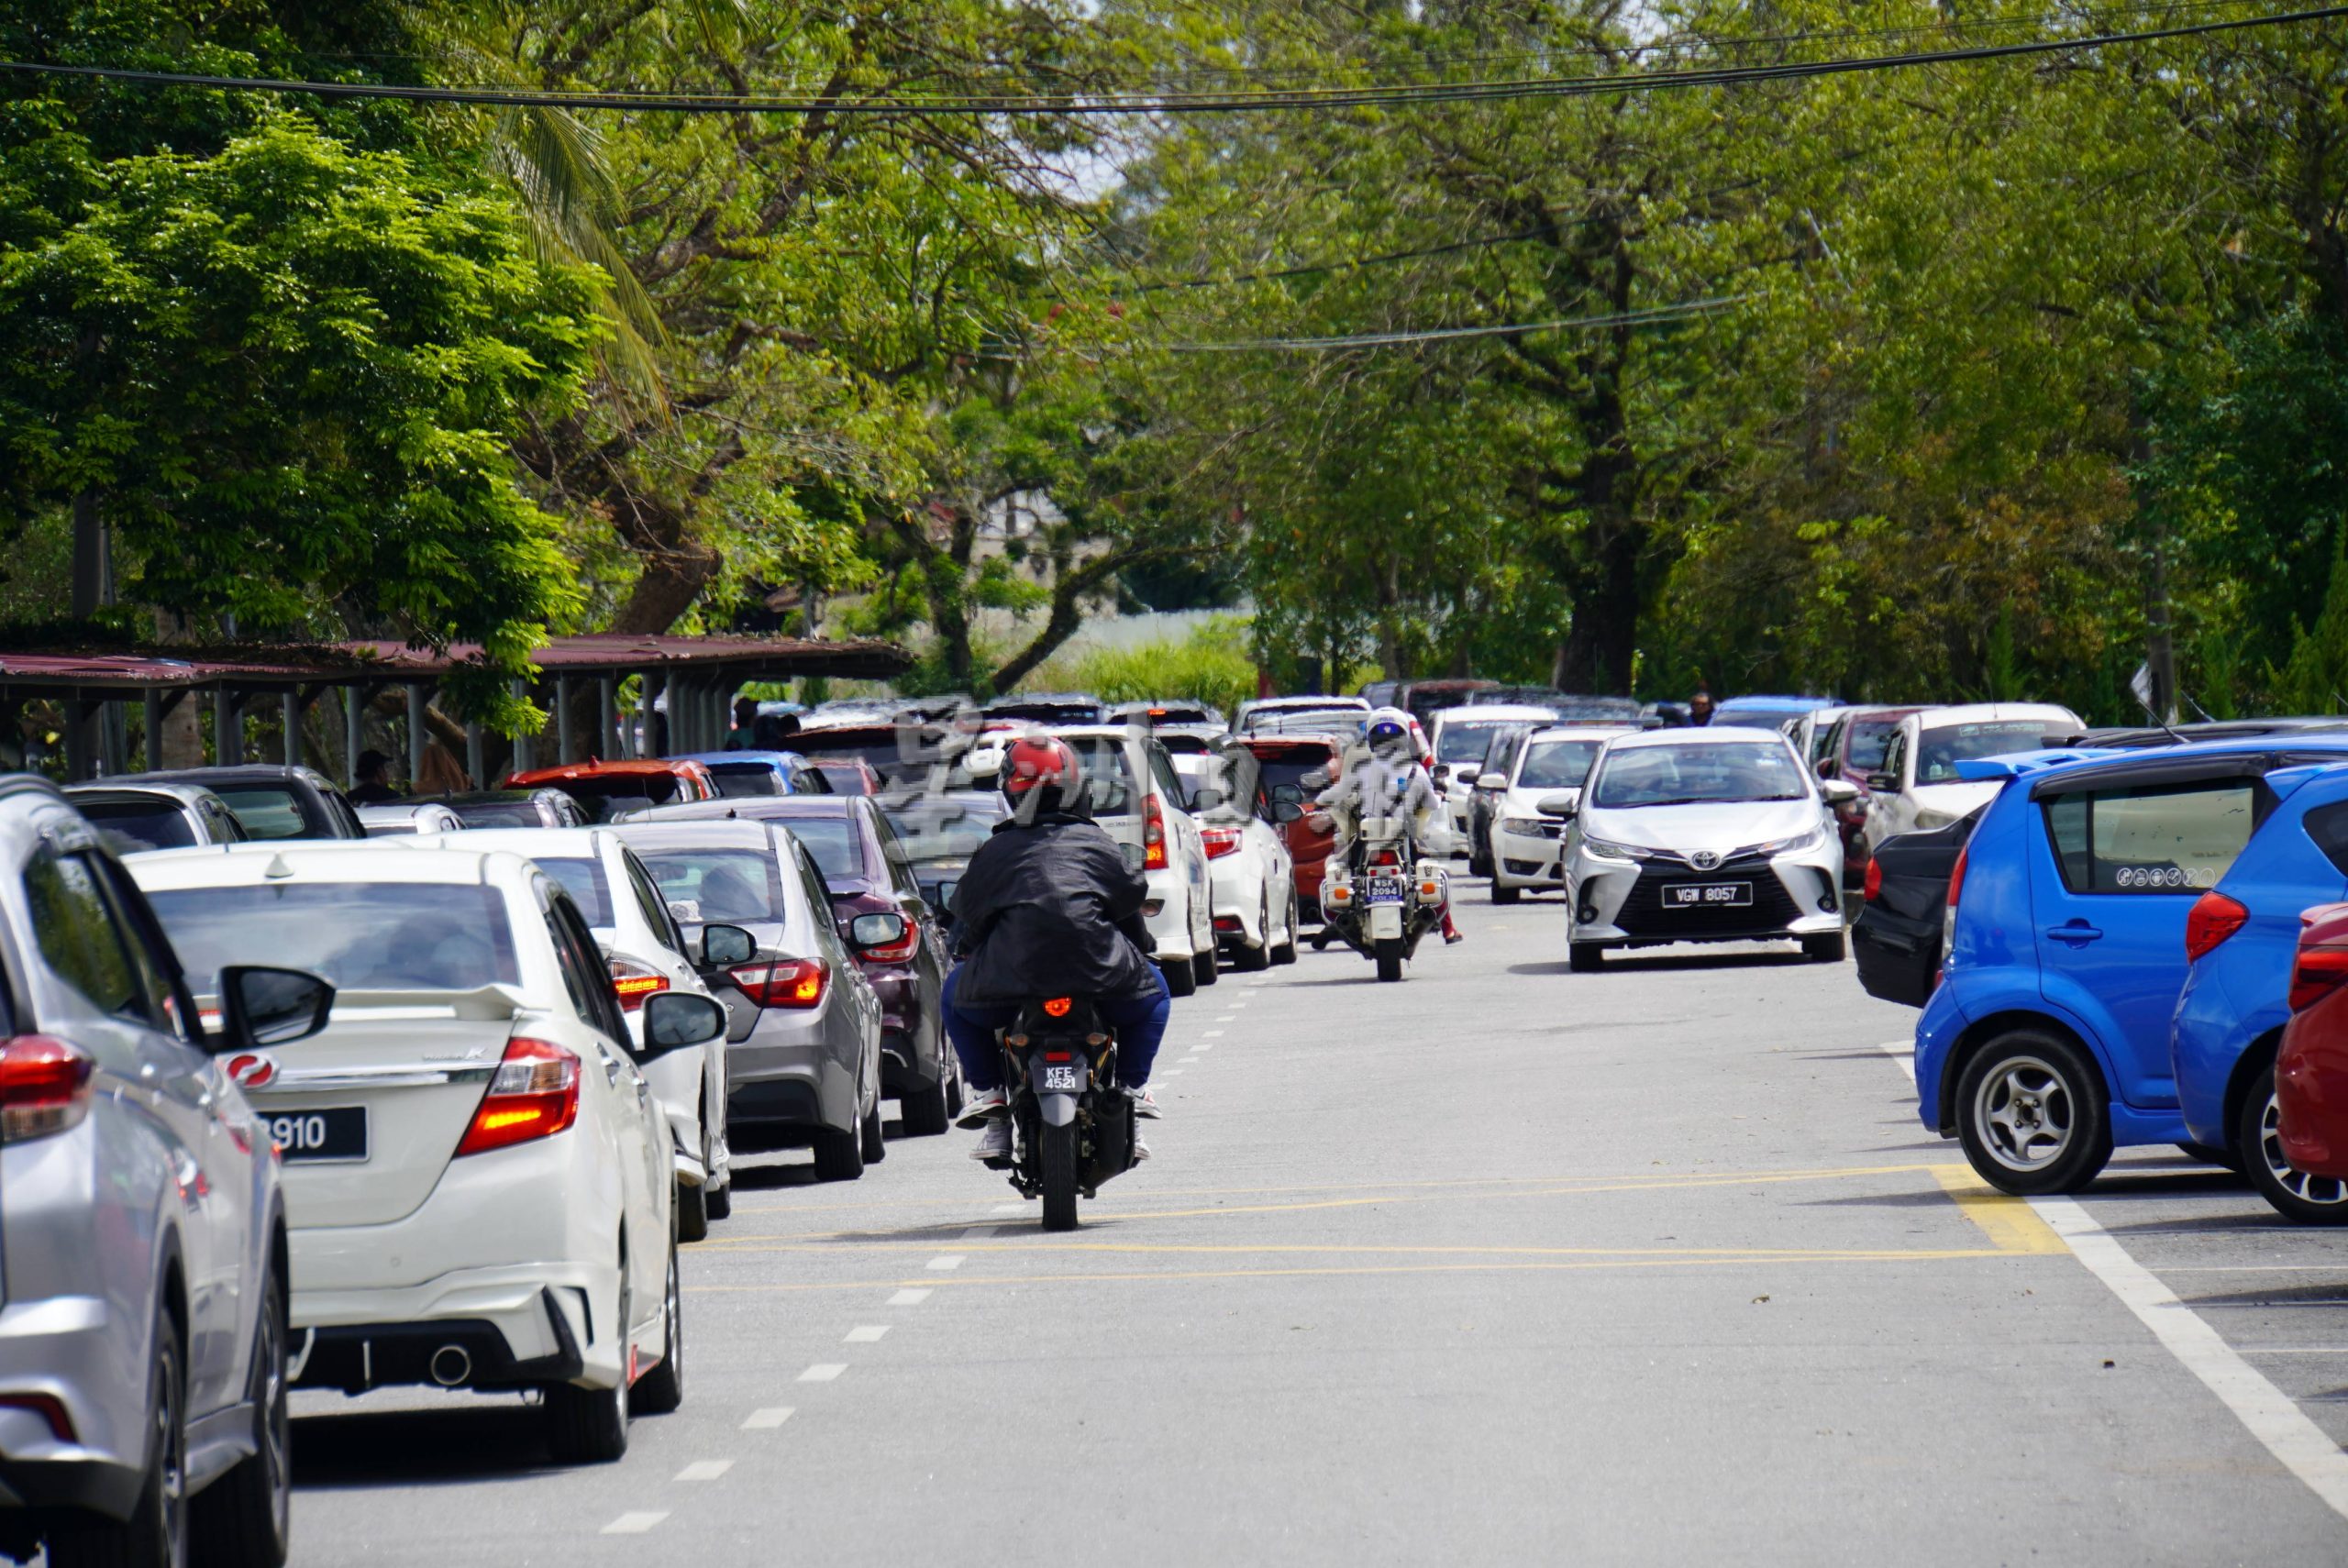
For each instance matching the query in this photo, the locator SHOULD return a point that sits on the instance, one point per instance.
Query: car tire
(693, 1212)
(925, 1111)
(2019, 1084)
(1182, 977)
(1205, 969)
(720, 1202)
(1502, 895)
(245, 1519)
(1253, 960)
(1824, 949)
(839, 1156)
(589, 1426)
(872, 1139)
(1285, 952)
(2295, 1196)
(155, 1535)
(1585, 957)
(661, 1391)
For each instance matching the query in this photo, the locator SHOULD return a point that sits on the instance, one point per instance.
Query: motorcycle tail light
(44, 1088)
(534, 1094)
(1057, 1007)
(786, 982)
(1153, 834)
(1385, 858)
(634, 981)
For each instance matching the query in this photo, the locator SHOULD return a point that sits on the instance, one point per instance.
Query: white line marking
(1211, 1034)
(1008, 1209)
(866, 1334)
(1225, 1018)
(823, 1372)
(634, 1524)
(766, 1420)
(2276, 1422)
(912, 1297)
(950, 1261)
(1186, 1061)
(2294, 1350)
(1899, 1050)
(976, 1233)
(1203, 1046)
(704, 1470)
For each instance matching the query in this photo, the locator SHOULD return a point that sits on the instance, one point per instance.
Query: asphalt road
(1499, 1264)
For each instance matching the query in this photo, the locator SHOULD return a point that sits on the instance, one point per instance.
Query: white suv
(477, 1179)
(1917, 786)
(1137, 796)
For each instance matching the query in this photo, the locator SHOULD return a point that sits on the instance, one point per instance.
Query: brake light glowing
(534, 1094)
(2213, 918)
(786, 982)
(44, 1088)
(1873, 885)
(1057, 1007)
(1220, 841)
(634, 981)
(1153, 834)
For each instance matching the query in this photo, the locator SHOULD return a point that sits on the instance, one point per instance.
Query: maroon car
(1856, 751)
(2312, 1068)
(1286, 760)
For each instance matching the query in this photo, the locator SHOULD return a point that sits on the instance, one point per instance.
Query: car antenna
(2161, 723)
(2198, 707)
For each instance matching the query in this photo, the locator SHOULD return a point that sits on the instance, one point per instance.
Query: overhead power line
(1319, 98)
(1654, 316)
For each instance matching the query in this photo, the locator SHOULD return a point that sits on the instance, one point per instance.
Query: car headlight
(1606, 849)
(1529, 827)
(1799, 843)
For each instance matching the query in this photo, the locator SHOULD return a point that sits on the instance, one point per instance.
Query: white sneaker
(1145, 1104)
(994, 1144)
(980, 1107)
(1141, 1151)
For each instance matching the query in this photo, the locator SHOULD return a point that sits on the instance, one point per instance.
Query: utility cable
(1654, 315)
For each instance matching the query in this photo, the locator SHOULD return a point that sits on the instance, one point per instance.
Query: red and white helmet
(1033, 762)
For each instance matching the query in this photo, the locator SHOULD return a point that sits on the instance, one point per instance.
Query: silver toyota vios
(1700, 835)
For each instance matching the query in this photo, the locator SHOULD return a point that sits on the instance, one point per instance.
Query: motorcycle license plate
(339, 1134)
(1708, 896)
(1384, 891)
(1067, 1079)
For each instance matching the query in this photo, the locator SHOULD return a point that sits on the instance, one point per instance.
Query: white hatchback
(1526, 845)
(477, 1182)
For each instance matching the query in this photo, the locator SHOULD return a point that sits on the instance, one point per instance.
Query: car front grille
(1643, 913)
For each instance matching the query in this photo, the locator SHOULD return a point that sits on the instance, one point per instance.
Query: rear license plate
(1061, 1079)
(339, 1133)
(1707, 895)
(1385, 891)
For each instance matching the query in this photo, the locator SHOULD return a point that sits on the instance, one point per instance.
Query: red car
(1854, 751)
(603, 788)
(1286, 760)
(2311, 1069)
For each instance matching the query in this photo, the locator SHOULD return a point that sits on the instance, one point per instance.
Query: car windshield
(129, 827)
(1466, 743)
(833, 841)
(584, 880)
(267, 811)
(1869, 739)
(1107, 775)
(737, 780)
(602, 794)
(938, 828)
(1698, 774)
(364, 936)
(717, 884)
(1939, 751)
(499, 813)
(1557, 764)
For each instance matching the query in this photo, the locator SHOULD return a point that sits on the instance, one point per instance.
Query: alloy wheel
(2315, 1189)
(2025, 1113)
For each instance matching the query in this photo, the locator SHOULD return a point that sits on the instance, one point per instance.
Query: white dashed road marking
(704, 1470)
(912, 1297)
(950, 1261)
(823, 1372)
(634, 1524)
(1211, 1034)
(1224, 1018)
(1186, 1061)
(866, 1334)
(766, 1420)
(1008, 1209)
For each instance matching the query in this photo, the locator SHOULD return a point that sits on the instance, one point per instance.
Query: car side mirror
(675, 1020)
(1286, 811)
(1492, 781)
(262, 1006)
(1828, 768)
(1563, 803)
(722, 945)
(943, 902)
(1838, 791)
(1884, 783)
(1313, 778)
(881, 929)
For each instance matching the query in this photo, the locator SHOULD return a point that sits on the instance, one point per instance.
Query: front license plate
(1062, 1078)
(339, 1133)
(1707, 895)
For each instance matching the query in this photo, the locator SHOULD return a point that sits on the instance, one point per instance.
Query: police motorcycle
(1385, 897)
(1072, 1126)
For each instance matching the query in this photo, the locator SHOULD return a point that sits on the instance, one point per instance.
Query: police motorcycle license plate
(335, 1134)
(1708, 896)
(1384, 891)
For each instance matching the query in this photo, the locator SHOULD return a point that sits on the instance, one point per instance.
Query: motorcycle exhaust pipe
(452, 1366)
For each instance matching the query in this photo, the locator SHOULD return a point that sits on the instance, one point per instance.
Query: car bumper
(788, 1073)
(521, 1324)
(1519, 861)
(1618, 904)
(1239, 897)
(1170, 928)
(64, 1346)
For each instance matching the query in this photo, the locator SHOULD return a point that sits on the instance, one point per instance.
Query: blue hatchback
(2048, 1041)
(2241, 939)
(747, 773)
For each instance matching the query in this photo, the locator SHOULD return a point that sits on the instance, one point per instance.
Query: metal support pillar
(475, 763)
(564, 752)
(77, 739)
(289, 708)
(352, 711)
(606, 718)
(227, 730)
(526, 750)
(114, 735)
(150, 703)
(416, 736)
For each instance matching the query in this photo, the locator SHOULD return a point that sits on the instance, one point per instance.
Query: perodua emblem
(1704, 859)
(251, 1072)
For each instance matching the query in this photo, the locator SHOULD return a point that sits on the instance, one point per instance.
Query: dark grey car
(271, 802)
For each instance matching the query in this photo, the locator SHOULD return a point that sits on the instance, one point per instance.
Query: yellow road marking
(2007, 1221)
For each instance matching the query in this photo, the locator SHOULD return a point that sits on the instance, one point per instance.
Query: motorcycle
(1383, 899)
(1073, 1125)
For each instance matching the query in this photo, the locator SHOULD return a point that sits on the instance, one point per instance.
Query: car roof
(1306, 699)
(235, 773)
(746, 831)
(644, 767)
(722, 758)
(101, 788)
(431, 859)
(750, 808)
(2078, 767)
(1727, 735)
(1581, 732)
(1484, 713)
(1990, 713)
(495, 797)
(570, 842)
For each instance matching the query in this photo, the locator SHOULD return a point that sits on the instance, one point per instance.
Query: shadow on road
(469, 1443)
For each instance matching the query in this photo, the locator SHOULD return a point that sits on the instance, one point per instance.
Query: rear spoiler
(486, 1004)
(2015, 764)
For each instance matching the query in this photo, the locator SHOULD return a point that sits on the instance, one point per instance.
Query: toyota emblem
(251, 1072)
(1704, 859)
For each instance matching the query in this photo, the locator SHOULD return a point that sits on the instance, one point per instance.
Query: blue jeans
(1140, 1023)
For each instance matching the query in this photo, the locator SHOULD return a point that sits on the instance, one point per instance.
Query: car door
(2123, 862)
(1889, 810)
(853, 1029)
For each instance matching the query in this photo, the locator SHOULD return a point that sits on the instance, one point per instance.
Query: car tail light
(2213, 918)
(899, 951)
(634, 981)
(1153, 834)
(1221, 841)
(1956, 875)
(786, 982)
(534, 1094)
(2317, 975)
(1385, 858)
(1872, 887)
(44, 1088)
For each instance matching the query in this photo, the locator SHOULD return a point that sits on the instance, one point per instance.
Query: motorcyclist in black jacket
(1048, 908)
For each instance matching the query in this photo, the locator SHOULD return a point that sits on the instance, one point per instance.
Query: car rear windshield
(843, 774)
(877, 746)
(717, 884)
(1107, 775)
(1557, 764)
(267, 811)
(1693, 774)
(364, 936)
(934, 829)
(1869, 739)
(1939, 751)
(737, 780)
(133, 826)
(835, 843)
(1283, 775)
(584, 880)
(499, 813)
(600, 794)
(1464, 741)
